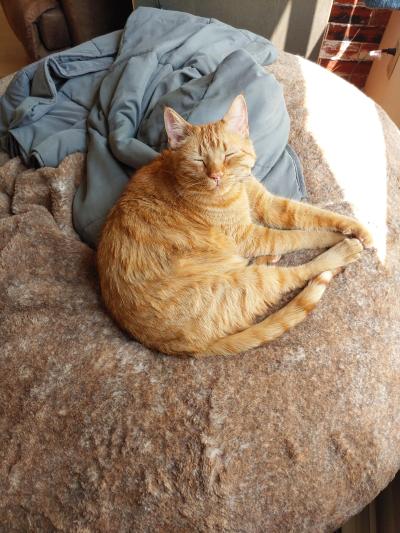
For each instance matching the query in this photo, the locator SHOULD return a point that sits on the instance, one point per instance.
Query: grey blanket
(106, 97)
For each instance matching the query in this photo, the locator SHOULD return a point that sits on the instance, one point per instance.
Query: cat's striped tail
(274, 325)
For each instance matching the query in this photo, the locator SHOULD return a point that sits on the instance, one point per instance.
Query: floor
(12, 53)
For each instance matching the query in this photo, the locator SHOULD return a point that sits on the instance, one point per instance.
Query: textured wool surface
(98, 433)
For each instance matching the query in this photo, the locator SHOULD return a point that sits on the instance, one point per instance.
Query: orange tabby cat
(174, 253)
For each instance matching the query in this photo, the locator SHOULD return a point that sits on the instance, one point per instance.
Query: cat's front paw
(360, 232)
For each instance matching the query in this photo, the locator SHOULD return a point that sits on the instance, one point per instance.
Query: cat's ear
(176, 126)
(236, 118)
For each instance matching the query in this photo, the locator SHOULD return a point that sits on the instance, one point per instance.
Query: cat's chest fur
(227, 212)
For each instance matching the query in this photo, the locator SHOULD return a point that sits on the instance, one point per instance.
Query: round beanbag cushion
(99, 433)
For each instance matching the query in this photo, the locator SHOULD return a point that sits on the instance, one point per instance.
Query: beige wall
(386, 91)
(296, 26)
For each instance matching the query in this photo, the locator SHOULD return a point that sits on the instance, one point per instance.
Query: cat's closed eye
(200, 161)
(227, 156)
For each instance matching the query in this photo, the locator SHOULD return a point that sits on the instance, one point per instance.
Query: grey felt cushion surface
(98, 433)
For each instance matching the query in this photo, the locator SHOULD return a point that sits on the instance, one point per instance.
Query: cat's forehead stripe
(210, 138)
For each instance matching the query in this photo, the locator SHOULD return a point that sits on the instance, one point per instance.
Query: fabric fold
(106, 97)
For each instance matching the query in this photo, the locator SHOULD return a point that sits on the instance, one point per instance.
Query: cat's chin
(220, 189)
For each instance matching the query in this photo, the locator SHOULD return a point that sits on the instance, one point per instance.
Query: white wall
(386, 91)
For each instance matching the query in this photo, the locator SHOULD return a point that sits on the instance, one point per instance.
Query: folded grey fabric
(106, 97)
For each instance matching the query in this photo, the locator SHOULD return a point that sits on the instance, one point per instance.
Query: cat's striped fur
(174, 256)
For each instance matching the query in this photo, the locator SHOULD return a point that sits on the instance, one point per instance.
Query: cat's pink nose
(216, 177)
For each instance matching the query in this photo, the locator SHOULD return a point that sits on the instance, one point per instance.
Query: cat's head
(211, 158)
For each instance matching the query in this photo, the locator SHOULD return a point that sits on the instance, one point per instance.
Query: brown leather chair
(46, 26)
